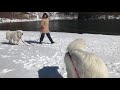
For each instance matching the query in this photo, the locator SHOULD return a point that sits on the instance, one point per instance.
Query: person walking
(45, 28)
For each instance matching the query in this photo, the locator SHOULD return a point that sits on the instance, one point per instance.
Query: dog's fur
(87, 64)
(14, 36)
(78, 43)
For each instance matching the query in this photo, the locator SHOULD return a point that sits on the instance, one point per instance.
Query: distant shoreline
(29, 20)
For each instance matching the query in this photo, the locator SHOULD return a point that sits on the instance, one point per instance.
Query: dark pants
(48, 35)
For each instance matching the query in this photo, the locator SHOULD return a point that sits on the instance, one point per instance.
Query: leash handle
(74, 65)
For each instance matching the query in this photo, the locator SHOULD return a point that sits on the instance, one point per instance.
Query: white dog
(87, 65)
(14, 36)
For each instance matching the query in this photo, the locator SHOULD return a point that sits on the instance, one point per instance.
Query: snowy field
(34, 60)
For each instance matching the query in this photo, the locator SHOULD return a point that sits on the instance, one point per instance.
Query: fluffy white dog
(14, 36)
(88, 65)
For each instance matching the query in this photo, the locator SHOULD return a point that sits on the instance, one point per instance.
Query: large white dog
(87, 65)
(14, 36)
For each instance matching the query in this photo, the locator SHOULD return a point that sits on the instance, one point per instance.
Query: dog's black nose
(22, 33)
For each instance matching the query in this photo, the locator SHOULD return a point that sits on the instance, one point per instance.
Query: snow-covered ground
(47, 60)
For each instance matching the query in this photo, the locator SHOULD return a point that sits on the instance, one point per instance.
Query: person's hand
(42, 27)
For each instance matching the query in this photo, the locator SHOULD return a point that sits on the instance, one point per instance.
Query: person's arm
(42, 23)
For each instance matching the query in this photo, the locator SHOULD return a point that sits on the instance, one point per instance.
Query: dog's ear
(17, 31)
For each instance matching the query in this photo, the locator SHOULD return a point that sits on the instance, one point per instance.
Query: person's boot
(40, 42)
(52, 42)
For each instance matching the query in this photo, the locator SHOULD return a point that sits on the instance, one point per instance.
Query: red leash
(74, 66)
